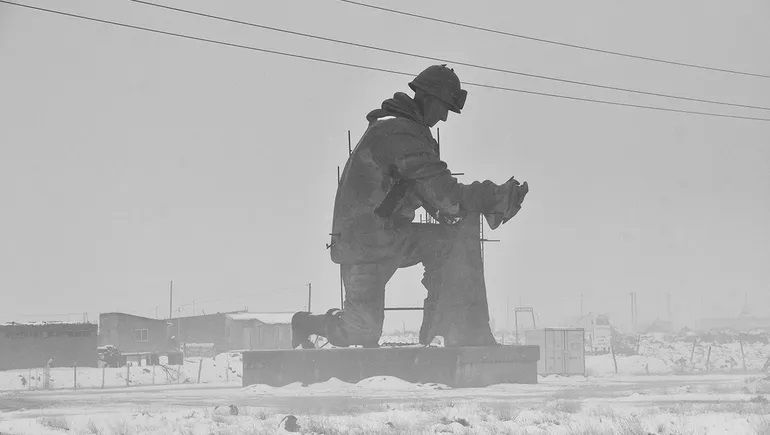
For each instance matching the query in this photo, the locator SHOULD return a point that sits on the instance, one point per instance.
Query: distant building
(211, 329)
(598, 332)
(217, 332)
(740, 323)
(255, 331)
(28, 345)
(130, 333)
(660, 325)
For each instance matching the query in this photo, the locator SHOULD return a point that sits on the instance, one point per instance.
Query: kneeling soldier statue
(394, 170)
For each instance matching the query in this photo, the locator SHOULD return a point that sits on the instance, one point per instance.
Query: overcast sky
(128, 159)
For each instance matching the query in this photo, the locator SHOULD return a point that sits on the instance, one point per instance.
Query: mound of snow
(392, 383)
(332, 384)
(386, 383)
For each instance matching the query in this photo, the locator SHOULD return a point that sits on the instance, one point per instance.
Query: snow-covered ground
(658, 355)
(673, 404)
(661, 390)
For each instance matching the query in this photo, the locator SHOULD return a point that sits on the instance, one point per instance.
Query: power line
(454, 62)
(614, 103)
(549, 41)
(371, 68)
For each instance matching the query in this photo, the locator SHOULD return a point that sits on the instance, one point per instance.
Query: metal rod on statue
(342, 291)
(481, 225)
(342, 287)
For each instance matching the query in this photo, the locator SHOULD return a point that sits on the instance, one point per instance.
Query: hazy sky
(128, 159)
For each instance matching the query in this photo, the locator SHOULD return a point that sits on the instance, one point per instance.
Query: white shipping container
(562, 350)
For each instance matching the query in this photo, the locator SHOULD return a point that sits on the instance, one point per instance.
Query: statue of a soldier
(393, 170)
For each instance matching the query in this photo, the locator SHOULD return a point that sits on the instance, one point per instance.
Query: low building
(202, 335)
(234, 331)
(134, 334)
(660, 326)
(254, 331)
(28, 345)
(208, 330)
(739, 323)
(598, 332)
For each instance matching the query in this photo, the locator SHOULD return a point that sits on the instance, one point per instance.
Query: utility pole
(309, 295)
(581, 305)
(508, 313)
(170, 297)
(745, 310)
(636, 313)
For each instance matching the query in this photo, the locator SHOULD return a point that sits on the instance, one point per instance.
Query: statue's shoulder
(400, 126)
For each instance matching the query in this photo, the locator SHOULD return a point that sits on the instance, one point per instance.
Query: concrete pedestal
(470, 366)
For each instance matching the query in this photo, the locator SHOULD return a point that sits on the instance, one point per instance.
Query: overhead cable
(549, 41)
(371, 68)
(450, 61)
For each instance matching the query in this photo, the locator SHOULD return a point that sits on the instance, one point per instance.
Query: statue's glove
(510, 196)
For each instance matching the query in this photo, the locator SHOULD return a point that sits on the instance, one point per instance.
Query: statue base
(465, 366)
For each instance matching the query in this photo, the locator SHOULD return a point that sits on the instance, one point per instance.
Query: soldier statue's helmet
(442, 83)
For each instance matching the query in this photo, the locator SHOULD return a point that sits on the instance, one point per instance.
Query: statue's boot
(329, 325)
(303, 325)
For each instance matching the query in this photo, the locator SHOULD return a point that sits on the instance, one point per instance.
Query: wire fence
(223, 369)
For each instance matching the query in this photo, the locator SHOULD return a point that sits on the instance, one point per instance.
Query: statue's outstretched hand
(513, 194)
(517, 193)
(523, 189)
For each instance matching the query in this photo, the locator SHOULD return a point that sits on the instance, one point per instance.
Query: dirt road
(339, 398)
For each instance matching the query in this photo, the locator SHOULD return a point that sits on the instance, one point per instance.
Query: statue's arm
(434, 184)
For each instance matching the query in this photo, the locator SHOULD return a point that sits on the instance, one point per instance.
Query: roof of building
(47, 323)
(117, 313)
(269, 318)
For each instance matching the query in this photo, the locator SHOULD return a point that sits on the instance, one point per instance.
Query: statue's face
(434, 110)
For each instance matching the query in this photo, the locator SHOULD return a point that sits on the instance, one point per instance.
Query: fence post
(708, 360)
(743, 355)
(692, 352)
(47, 377)
(128, 373)
(75, 376)
(104, 369)
(614, 361)
(200, 367)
